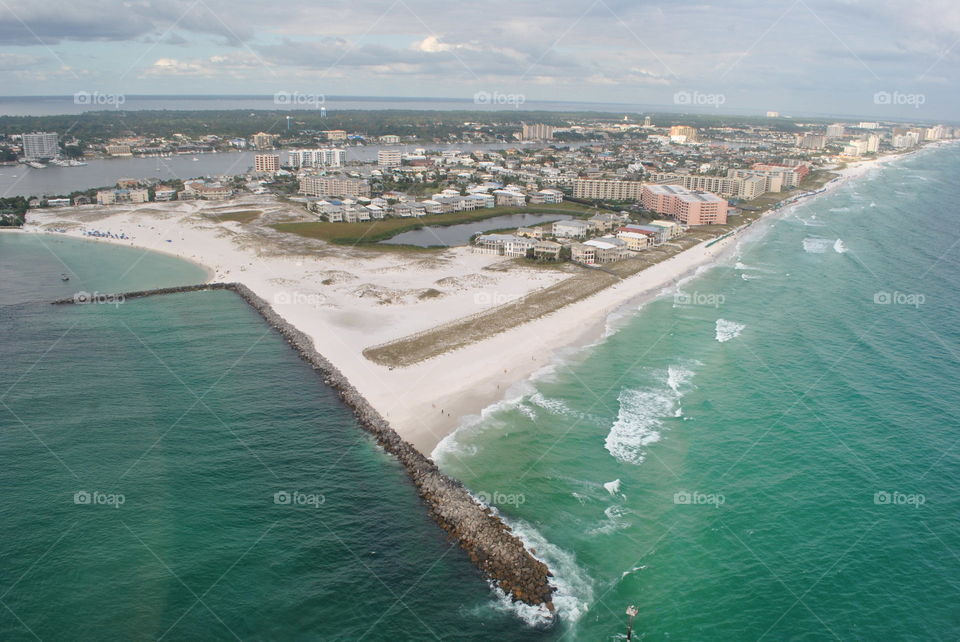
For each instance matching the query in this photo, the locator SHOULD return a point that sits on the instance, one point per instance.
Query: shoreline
(428, 401)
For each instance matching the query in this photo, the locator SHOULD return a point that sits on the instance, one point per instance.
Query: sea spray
(726, 330)
(642, 411)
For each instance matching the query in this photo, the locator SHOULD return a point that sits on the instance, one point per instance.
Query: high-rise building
(389, 158)
(873, 144)
(837, 130)
(773, 114)
(266, 162)
(647, 122)
(326, 157)
(40, 146)
(537, 131)
(811, 141)
(334, 186)
(607, 190)
(685, 132)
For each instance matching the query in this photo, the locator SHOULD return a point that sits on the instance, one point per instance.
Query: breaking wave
(727, 330)
(641, 414)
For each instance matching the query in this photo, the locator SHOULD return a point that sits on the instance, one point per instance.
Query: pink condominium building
(686, 206)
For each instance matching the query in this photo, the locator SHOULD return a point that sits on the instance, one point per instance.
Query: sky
(870, 58)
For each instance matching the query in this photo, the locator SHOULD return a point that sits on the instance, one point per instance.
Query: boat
(195, 159)
(64, 277)
(36, 165)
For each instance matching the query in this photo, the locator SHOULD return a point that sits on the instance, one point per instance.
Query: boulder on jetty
(491, 545)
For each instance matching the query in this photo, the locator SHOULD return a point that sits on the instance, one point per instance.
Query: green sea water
(769, 453)
(172, 470)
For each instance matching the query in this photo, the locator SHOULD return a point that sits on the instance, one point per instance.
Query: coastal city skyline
(798, 57)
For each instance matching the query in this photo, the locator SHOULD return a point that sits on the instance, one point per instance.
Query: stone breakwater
(491, 545)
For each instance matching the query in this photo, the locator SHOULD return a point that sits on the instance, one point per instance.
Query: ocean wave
(839, 247)
(632, 571)
(640, 417)
(839, 209)
(573, 590)
(816, 245)
(556, 406)
(638, 423)
(748, 277)
(613, 487)
(614, 520)
(727, 330)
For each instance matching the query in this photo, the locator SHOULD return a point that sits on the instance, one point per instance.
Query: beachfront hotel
(687, 207)
(598, 189)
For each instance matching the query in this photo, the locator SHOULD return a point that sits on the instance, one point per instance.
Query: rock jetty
(488, 541)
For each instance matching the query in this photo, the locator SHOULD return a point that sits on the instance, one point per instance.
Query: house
(81, 200)
(547, 250)
(609, 249)
(164, 193)
(503, 245)
(530, 232)
(432, 207)
(574, 229)
(546, 196)
(212, 191)
(583, 253)
(673, 229)
(636, 241)
(606, 221)
(507, 198)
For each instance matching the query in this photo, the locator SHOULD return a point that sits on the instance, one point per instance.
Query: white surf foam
(573, 590)
(637, 425)
(727, 330)
(641, 414)
(839, 247)
(614, 520)
(816, 245)
(613, 487)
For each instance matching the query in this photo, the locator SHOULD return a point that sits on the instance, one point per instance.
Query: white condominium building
(597, 189)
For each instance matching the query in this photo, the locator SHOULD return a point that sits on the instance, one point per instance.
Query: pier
(491, 545)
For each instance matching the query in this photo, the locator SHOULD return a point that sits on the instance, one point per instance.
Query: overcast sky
(793, 56)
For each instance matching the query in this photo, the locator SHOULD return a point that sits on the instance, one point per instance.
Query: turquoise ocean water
(770, 453)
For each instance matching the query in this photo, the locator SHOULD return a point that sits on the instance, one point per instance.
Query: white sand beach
(350, 299)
